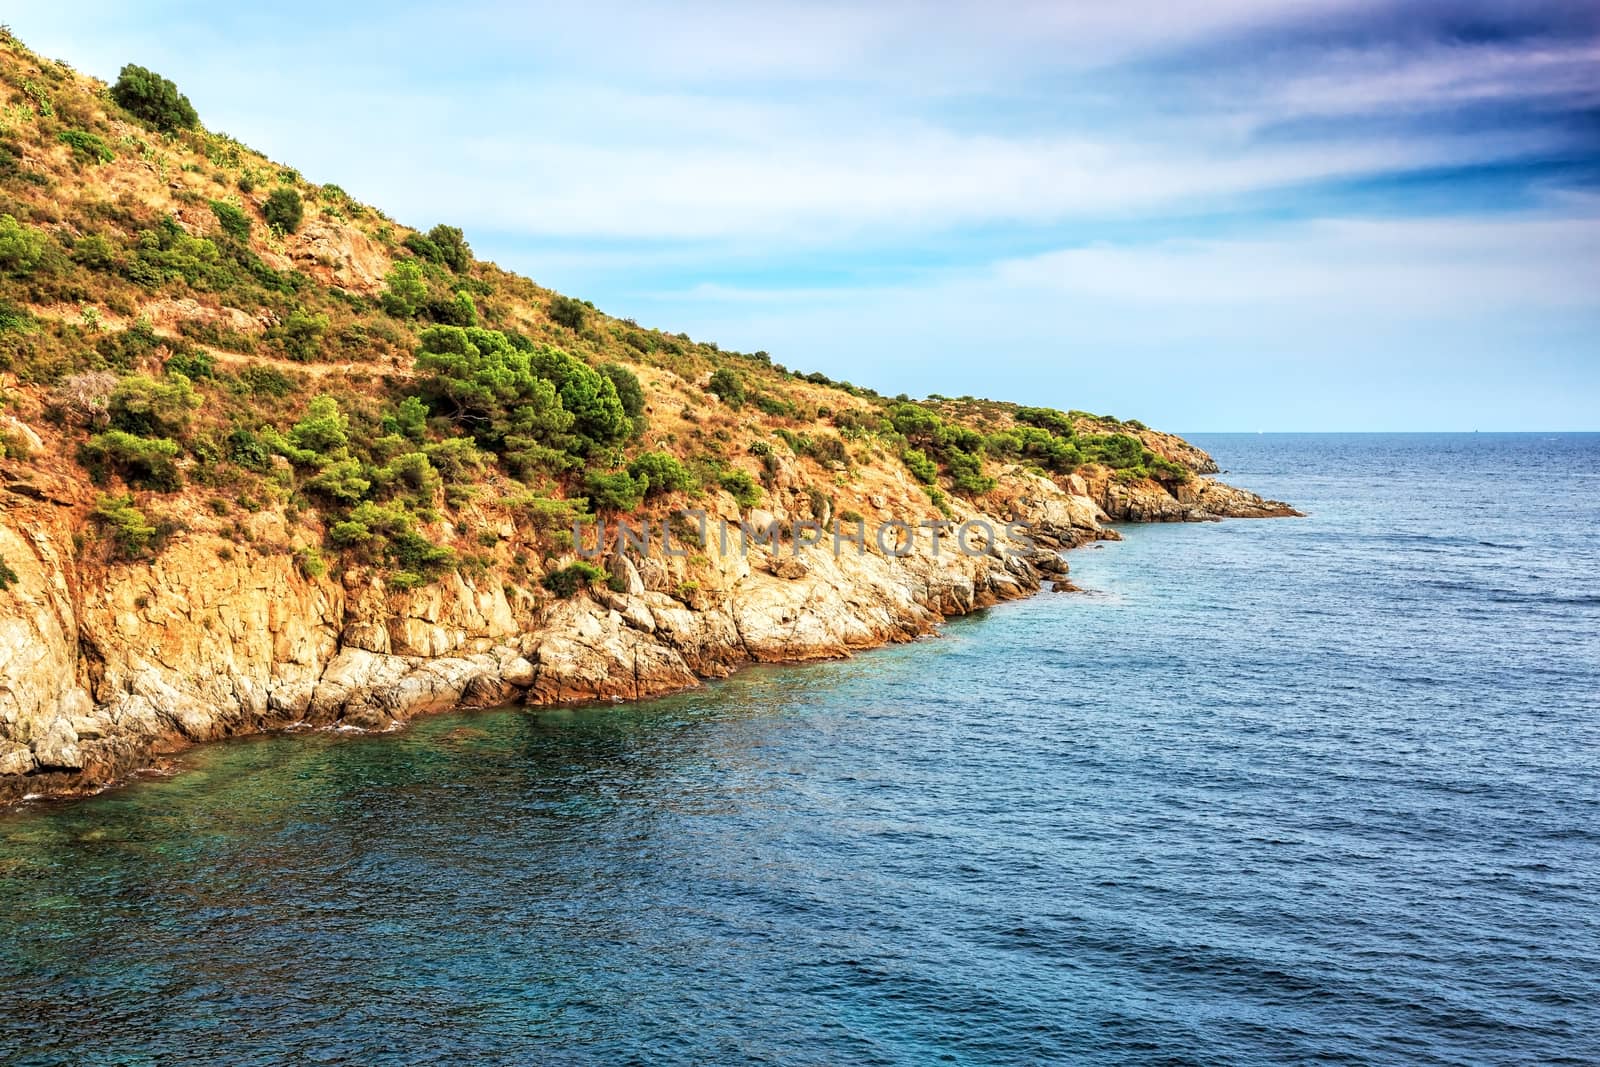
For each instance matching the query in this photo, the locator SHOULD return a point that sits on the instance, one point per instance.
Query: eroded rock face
(339, 255)
(103, 665)
(1198, 500)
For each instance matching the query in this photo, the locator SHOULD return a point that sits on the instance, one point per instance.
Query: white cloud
(1415, 267)
(1342, 323)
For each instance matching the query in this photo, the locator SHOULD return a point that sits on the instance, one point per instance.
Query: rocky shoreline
(106, 669)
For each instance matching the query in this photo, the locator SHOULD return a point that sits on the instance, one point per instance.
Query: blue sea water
(1319, 790)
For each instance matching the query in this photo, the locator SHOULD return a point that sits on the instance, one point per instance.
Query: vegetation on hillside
(190, 317)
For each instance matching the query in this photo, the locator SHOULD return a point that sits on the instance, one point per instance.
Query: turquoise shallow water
(1321, 790)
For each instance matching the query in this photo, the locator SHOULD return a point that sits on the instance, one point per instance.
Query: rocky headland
(270, 459)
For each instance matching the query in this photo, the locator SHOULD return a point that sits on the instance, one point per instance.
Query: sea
(1320, 790)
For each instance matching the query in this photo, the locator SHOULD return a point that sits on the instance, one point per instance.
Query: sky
(1236, 215)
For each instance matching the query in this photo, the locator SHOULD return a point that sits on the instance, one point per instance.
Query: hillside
(273, 458)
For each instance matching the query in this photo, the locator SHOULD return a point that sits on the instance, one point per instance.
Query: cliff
(272, 459)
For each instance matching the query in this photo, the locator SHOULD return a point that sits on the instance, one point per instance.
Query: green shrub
(284, 209)
(531, 403)
(21, 247)
(300, 335)
(87, 147)
(417, 559)
(1115, 450)
(455, 458)
(573, 577)
(620, 491)
(662, 473)
(565, 311)
(96, 253)
(387, 533)
(310, 562)
(195, 364)
(40, 97)
(132, 535)
(746, 492)
(234, 222)
(148, 408)
(267, 381)
(1165, 470)
(142, 462)
(248, 449)
(153, 99)
(13, 319)
(477, 379)
(8, 577)
(727, 386)
(166, 253)
(824, 448)
(773, 405)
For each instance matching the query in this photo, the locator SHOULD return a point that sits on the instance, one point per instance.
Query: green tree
(478, 379)
(21, 247)
(409, 419)
(598, 415)
(143, 462)
(565, 311)
(324, 431)
(406, 290)
(147, 408)
(629, 391)
(451, 247)
(153, 99)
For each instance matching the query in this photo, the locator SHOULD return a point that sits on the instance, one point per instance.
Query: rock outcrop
(104, 666)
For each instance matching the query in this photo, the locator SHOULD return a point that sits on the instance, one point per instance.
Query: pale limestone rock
(15, 758)
(57, 747)
(622, 568)
(518, 672)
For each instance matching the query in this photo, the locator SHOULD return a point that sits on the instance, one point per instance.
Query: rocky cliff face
(104, 667)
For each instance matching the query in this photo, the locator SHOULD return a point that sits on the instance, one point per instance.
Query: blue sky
(1237, 215)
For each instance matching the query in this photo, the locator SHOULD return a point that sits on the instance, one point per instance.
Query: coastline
(188, 650)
